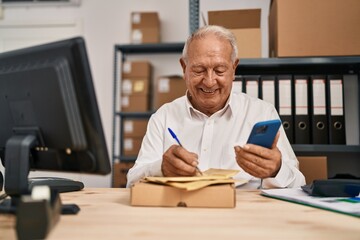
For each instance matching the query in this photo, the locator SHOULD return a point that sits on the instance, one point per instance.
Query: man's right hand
(177, 162)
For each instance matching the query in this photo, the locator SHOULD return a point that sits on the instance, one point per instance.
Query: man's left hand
(259, 161)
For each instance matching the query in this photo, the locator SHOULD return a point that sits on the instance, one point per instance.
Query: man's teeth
(208, 91)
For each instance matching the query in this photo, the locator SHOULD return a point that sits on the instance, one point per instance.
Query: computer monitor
(49, 117)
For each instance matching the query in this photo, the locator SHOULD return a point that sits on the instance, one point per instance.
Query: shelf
(298, 149)
(313, 65)
(134, 114)
(313, 148)
(150, 48)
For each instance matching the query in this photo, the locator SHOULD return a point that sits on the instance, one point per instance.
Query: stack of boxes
(135, 97)
(145, 27)
(137, 94)
(136, 86)
(133, 133)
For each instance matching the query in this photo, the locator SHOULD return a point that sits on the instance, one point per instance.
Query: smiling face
(209, 73)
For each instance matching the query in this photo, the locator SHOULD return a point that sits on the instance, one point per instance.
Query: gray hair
(218, 31)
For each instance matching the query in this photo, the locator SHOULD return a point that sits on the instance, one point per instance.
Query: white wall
(106, 23)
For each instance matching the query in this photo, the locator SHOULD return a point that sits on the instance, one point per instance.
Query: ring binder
(285, 99)
(336, 110)
(319, 134)
(302, 129)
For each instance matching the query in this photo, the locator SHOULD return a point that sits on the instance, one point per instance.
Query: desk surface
(106, 214)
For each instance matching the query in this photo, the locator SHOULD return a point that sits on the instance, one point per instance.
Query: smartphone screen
(263, 133)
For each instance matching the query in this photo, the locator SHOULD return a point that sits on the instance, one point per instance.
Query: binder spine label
(319, 98)
(268, 91)
(301, 97)
(252, 88)
(285, 97)
(336, 98)
(237, 86)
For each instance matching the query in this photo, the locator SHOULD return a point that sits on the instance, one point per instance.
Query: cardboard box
(135, 103)
(313, 167)
(135, 86)
(144, 20)
(302, 28)
(120, 171)
(136, 69)
(145, 35)
(135, 127)
(156, 195)
(131, 146)
(167, 89)
(145, 27)
(245, 24)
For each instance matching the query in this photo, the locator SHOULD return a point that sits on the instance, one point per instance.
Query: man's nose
(209, 79)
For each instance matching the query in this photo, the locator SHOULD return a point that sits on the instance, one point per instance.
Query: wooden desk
(106, 214)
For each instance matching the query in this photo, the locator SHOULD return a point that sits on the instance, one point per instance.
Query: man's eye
(199, 71)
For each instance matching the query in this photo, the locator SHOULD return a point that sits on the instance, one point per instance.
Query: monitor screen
(49, 117)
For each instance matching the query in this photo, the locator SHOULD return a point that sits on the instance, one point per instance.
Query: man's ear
(183, 64)
(236, 63)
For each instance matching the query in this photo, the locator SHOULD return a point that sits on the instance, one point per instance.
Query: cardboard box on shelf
(131, 146)
(303, 28)
(156, 195)
(313, 167)
(135, 86)
(145, 35)
(245, 24)
(144, 19)
(168, 88)
(120, 171)
(145, 27)
(135, 127)
(135, 103)
(136, 69)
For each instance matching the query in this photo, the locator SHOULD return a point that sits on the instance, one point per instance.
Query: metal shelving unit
(121, 52)
(263, 66)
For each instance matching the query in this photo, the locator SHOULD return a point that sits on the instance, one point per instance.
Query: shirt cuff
(155, 169)
(281, 180)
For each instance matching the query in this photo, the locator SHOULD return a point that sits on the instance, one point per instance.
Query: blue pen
(178, 141)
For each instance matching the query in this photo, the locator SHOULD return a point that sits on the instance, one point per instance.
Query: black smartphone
(263, 133)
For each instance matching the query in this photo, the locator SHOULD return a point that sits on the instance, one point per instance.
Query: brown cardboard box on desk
(245, 24)
(214, 189)
(301, 28)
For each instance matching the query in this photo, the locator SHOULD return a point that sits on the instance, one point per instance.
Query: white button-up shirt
(213, 139)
